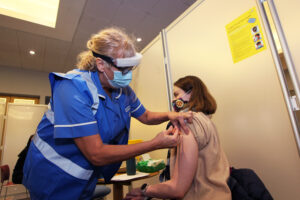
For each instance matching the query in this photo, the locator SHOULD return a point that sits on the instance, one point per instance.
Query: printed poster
(245, 36)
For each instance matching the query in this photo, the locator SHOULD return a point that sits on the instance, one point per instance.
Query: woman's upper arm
(90, 146)
(144, 117)
(185, 164)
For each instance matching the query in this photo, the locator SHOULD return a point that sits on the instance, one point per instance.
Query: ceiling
(57, 48)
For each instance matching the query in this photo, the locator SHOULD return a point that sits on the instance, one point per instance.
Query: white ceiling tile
(91, 22)
(89, 25)
(104, 8)
(128, 17)
(27, 42)
(56, 52)
(188, 3)
(142, 5)
(77, 20)
(9, 50)
(150, 27)
(72, 56)
(168, 8)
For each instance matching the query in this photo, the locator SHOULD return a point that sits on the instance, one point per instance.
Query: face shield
(124, 65)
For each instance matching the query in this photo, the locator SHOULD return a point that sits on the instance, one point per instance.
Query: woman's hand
(135, 194)
(167, 139)
(179, 119)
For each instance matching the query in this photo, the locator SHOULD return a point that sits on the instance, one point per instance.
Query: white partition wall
(149, 84)
(252, 118)
(288, 12)
(2, 112)
(21, 122)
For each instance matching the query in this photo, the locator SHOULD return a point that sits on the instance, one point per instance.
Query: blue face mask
(120, 80)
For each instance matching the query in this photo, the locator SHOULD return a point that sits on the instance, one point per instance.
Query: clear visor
(128, 62)
(125, 65)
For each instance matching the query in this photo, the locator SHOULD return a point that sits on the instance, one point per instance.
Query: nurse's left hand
(179, 119)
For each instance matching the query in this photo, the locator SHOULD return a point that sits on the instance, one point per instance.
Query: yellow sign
(245, 36)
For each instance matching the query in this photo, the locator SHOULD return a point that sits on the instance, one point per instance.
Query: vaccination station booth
(247, 54)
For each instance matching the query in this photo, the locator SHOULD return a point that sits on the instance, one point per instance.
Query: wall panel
(288, 12)
(252, 118)
(149, 84)
(20, 123)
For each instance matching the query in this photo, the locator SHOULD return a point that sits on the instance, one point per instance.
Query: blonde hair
(112, 42)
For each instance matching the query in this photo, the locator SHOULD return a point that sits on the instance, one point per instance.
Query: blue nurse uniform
(55, 168)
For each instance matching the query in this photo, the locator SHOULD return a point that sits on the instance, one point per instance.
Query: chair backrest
(4, 173)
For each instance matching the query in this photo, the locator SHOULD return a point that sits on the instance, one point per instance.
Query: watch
(144, 188)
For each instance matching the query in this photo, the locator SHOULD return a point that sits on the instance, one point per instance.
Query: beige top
(210, 181)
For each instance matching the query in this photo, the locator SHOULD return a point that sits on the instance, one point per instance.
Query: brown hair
(112, 42)
(201, 100)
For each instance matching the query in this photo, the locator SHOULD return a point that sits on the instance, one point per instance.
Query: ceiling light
(31, 52)
(35, 11)
(139, 39)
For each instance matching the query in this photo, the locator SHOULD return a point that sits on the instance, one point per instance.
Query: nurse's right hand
(168, 138)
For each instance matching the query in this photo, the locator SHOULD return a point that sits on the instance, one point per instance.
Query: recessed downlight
(31, 52)
(138, 39)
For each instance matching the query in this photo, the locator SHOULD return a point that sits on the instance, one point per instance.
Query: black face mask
(179, 104)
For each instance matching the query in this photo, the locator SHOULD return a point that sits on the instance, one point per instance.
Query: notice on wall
(245, 36)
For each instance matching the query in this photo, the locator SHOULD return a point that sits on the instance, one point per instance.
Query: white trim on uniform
(73, 125)
(50, 115)
(136, 108)
(102, 96)
(63, 163)
(117, 97)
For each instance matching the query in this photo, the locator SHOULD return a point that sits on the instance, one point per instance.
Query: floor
(16, 192)
(15, 197)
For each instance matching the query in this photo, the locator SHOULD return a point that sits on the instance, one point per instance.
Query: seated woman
(199, 166)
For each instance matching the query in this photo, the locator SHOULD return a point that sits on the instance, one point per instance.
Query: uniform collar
(101, 93)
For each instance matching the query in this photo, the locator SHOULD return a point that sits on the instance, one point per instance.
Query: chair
(5, 173)
(245, 184)
(5, 178)
(100, 192)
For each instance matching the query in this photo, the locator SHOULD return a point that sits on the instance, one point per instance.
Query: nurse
(84, 134)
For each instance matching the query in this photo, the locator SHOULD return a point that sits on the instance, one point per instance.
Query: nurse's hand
(179, 119)
(167, 139)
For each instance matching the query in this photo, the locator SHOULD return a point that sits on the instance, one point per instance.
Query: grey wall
(24, 82)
